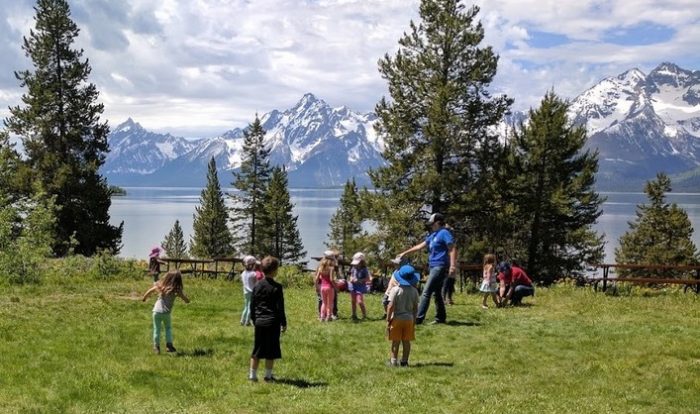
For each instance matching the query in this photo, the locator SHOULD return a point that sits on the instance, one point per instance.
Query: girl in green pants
(168, 289)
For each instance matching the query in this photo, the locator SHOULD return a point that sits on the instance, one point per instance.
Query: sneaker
(484, 306)
(253, 379)
(404, 363)
(270, 379)
(156, 349)
(437, 322)
(392, 364)
(334, 317)
(170, 348)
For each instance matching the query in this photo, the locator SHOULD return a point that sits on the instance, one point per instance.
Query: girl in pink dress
(325, 279)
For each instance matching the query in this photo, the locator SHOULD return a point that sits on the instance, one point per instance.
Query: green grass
(86, 348)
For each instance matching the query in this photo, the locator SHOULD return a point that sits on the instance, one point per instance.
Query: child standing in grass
(358, 280)
(154, 263)
(325, 281)
(168, 289)
(267, 312)
(489, 285)
(249, 278)
(401, 314)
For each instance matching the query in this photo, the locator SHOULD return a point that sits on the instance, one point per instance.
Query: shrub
(293, 277)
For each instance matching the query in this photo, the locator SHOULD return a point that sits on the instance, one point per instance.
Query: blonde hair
(489, 259)
(171, 283)
(326, 265)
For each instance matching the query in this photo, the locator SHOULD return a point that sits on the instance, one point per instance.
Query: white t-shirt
(248, 278)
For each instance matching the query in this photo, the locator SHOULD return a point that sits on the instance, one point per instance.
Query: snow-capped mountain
(318, 144)
(135, 152)
(642, 124)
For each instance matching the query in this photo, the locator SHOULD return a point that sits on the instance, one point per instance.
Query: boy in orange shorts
(401, 313)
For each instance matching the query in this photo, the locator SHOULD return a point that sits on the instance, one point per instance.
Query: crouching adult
(514, 284)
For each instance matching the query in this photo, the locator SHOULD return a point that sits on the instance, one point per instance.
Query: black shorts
(267, 342)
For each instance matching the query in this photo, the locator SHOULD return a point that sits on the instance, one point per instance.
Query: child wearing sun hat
(249, 278)
(402, 312)
(154, 263)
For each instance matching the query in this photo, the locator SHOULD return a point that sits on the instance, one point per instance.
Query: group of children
(264, 302)
(327, 285)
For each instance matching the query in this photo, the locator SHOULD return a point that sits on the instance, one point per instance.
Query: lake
(150, 212)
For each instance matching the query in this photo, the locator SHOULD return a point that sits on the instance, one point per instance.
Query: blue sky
(201, 67)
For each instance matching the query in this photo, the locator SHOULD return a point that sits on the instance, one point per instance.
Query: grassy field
(86, 348)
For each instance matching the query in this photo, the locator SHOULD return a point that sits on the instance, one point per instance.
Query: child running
(401, 314)
(325, 281)
(267, 312)
(358, 280)
(249, 278)
(489, 285)
(168, 288)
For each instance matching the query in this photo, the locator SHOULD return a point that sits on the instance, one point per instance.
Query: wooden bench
(689, 283)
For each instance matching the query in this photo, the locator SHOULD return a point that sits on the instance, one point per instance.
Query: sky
(197, 68)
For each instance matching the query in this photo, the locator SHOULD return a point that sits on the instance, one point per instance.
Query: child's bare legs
(358, 299)
(483, 302)
(353, 304)
(494, 296)
(406, 352)
(395, 352)
(255, 362)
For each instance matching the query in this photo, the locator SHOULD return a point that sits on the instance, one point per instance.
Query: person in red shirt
(514, 284)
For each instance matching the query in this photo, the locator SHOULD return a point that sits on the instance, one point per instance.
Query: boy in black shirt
(267, 314)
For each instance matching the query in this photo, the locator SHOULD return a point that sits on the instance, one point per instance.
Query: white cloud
(199, 67)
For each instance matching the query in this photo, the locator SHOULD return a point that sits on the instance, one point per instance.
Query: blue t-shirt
(361, 275)
(439, 244)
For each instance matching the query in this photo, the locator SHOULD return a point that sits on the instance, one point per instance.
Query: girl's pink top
(326, 280)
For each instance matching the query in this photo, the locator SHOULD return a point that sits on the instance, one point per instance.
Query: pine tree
(174, 243)
(60, 127)
(554, 193)
(346, 223)
(212, 237)
(15, 177)
(251, 181)
(281, 236)
(438, 124)
(661, 234)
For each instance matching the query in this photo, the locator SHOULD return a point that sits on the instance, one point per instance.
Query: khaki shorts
(402, 330)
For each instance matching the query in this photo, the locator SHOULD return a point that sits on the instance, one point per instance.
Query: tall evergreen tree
(212, 237)
(281, 236)
(251, 181)
(174, 243)
(64, 138)
(554, 193)
(346, 223)
(437, 125)
(661, 233)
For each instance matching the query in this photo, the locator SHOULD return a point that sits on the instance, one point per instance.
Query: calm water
(149, 213)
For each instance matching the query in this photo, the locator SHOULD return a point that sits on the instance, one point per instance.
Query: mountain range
(640, 124)
(320, 146)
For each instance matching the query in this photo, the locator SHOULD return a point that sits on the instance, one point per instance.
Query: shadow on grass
(196, 352)
(523, 305)
(300, 383)
(462, 323)
(432, 364)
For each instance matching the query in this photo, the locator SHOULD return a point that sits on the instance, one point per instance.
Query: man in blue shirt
(442, 260)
